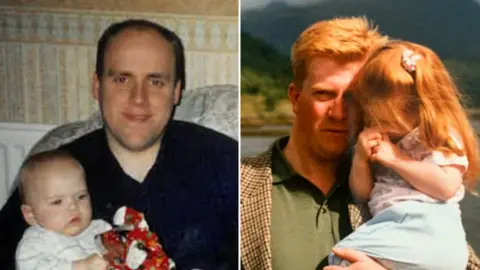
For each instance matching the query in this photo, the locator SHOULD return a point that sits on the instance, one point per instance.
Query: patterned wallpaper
(195, 7)
(47, 56)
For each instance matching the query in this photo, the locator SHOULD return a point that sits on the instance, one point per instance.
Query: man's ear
(177, 92)
(293, 95)
(28, 214)
(96, 87)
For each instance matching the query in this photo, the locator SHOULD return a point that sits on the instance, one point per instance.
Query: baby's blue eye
(56, 202)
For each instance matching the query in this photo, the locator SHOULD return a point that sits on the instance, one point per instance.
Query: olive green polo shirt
(306, 224)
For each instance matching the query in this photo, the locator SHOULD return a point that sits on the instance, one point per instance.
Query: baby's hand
(94, 262)
(367, 139)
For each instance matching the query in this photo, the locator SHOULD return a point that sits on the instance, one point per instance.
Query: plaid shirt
(256, 210)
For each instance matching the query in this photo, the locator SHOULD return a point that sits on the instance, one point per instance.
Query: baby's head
(54, 193)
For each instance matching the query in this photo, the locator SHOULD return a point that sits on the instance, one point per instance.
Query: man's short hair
(340, 39)
(142, 25)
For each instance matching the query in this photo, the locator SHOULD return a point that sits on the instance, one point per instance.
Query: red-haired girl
(415, 154)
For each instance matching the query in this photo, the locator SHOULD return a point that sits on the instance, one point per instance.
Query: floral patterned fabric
(389, 187)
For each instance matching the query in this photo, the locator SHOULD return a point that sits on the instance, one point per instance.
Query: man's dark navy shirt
(189, 196)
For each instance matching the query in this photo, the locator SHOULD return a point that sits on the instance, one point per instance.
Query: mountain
(450, 27)
(265, 71)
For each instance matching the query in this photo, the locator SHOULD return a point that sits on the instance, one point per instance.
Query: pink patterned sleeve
(442, 159)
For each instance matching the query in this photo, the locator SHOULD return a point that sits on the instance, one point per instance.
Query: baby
(56, 205)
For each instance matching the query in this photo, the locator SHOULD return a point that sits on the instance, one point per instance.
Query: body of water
(254, 145)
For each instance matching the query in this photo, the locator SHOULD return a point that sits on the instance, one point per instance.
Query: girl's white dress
(410, 230)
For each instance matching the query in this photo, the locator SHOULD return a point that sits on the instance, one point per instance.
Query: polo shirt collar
(282, 170)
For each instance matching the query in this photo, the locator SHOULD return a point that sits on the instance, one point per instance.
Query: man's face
(321, 107)
(58, 199)
(138, 90)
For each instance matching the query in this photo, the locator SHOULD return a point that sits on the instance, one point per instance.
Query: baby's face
(59, 199)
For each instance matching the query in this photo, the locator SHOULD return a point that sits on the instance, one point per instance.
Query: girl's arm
(439, 182)
(360, 180)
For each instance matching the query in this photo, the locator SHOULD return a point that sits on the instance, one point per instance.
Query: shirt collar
(282, 170)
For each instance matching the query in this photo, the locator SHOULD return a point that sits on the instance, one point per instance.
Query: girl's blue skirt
(412, 235)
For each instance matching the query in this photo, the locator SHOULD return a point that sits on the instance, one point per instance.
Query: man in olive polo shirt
(295, 202)
(322, 219)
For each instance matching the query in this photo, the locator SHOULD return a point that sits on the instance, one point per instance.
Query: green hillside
(451, 28)
(266, 73)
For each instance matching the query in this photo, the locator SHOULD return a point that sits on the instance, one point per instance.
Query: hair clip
(409, 60)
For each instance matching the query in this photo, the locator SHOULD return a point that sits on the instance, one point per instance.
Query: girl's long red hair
(383, 89)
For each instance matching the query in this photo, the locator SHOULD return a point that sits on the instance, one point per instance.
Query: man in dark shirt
(184, 177)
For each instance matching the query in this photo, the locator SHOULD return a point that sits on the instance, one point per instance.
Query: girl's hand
(385, 153)
(366, 141)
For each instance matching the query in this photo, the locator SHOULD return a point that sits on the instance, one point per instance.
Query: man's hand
(359, 260)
